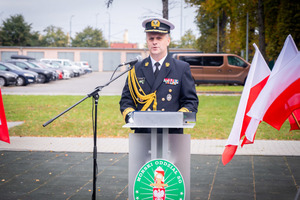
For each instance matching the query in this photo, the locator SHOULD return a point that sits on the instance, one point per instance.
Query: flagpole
(296, 120)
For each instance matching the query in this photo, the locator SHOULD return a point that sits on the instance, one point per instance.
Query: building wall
(101, 59)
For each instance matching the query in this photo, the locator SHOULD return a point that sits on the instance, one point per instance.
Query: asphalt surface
(59, 173)
(82, 85)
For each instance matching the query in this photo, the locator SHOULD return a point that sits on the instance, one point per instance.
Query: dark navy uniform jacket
(174, 86)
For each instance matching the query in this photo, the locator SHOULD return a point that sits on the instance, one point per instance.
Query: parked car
(67, 73)
(44, 75)
(85, 66)
(24, 76)
(56, 74)
(216, 68)
(66, 63)
(8, 78)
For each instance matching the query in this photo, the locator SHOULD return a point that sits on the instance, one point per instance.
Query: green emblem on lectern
(159, 179)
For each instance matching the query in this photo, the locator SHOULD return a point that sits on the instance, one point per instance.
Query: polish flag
(295, 125)
(281, 95)
(257, 77)
(4, 136)
(288, 52)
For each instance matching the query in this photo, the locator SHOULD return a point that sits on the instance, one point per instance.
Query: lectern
(174, 148)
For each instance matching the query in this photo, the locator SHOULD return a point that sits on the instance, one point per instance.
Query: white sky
(123, 14)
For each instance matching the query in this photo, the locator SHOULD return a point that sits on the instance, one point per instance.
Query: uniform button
(149, 109)
(163, 109)
(163, 99)
(170, 90)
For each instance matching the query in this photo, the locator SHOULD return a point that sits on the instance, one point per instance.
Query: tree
(89, 37)
(261, 27)
(281, 19)
(270, 22)
(54, 37)
(165, 11)
(35, 39)
(188, 40)
(15, 32)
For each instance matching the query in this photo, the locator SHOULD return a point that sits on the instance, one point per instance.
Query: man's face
(158, 43)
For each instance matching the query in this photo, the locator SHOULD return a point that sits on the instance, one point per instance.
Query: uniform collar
(160, 62)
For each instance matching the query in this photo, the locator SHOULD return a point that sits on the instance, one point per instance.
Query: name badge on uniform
(170, 81)
(141, 80)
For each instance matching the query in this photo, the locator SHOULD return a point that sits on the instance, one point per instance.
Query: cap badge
(155, 23)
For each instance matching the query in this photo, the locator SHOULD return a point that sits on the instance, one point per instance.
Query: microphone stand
(95, 95)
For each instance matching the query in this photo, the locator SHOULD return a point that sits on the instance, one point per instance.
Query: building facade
(101, 59)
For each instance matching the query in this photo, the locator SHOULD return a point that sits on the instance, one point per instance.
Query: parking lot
(75, 86)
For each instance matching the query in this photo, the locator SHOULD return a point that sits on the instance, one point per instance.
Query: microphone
(132, 62)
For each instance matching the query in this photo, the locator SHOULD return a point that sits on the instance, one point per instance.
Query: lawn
(219, 88)
(214, 118)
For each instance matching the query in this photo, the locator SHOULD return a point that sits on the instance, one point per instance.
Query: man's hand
(129, 118)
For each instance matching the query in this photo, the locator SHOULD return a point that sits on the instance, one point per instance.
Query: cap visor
(156, 31)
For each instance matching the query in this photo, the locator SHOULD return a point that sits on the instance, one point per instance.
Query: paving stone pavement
(38, 168)
(121, 145)
(61, 168)
(37, 175)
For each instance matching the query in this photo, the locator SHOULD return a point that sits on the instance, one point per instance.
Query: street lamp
(108, 29)
(71, 26)
(97, 20)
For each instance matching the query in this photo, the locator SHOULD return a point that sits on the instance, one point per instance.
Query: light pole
(71, 28)
(97, 20)
(181, 20)
(108, 29)
(247, 39)
(218, 33)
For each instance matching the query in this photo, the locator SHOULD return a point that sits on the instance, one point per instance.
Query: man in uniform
(159, 82)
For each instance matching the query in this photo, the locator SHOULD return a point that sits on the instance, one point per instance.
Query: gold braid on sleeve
(137, 93)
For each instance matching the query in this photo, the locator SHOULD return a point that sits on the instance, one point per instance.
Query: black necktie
(156, 69)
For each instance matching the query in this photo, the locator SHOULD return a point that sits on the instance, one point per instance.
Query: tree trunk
(261, 28)
(165, 10)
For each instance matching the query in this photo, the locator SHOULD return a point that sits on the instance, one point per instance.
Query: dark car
(7, 78)
(40, 65)
(44, 75)
(24, 76)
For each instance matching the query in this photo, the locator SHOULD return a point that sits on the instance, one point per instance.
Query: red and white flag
(281, 95)
(294, 120)
(256, 80)
(4, 136)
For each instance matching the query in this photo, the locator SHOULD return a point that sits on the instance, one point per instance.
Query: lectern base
(140, 153)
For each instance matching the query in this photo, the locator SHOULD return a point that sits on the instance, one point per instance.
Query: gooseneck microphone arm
(132, 62)
(95, 95)
(97, 89)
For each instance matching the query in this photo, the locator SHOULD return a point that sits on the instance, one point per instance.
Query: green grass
(214, 119)
(219, 88)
